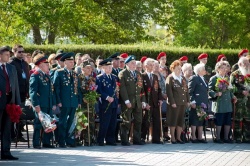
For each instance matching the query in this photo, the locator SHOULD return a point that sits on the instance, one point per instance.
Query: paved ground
(149, 154)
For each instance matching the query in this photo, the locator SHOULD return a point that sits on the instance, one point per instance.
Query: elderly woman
(187, 70)
(222, 98)
(177, 102)
(198, 94)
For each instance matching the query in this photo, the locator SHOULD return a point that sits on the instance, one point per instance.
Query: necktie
(7, 79)
(151, 79)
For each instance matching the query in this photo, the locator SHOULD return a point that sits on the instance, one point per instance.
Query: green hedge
(140, 50)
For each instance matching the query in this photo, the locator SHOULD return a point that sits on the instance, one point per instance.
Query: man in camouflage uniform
(87, 81)
(243, 53)
(241, 91)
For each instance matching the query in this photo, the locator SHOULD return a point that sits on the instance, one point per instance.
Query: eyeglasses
(121, 61)
(20, 52)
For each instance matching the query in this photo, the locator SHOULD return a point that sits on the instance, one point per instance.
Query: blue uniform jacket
(107, 87)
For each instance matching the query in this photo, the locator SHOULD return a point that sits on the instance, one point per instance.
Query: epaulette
(55, 68)
(60, 69)
(36, 72)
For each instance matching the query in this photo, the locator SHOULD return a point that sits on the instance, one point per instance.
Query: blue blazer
(106, 87)
(198, 90)
(41, 90)
(12, 73)
(65, 89)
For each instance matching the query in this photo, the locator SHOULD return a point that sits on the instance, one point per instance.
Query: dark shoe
(37, 147)
(228, 141)
(111, 143)
(143, 140)
(71, 146)
(118, 141)
(238, 141)
(167, 138)
(125, 144)
(8, 157)
(157, 142)
(62, 146)
(48, 146)
(180, 142)
(87, 144)
(139, 143)
(202, 141)
(173, 142)
(21, 139)
(218, 141)
(101, 144)
(194, 141)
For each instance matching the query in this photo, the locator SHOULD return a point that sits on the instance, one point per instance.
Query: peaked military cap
(67, 56)
(85, 63)
(106, 62)
(115, 56)
(5, 48)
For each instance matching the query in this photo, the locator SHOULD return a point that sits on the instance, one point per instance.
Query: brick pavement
(149, 154)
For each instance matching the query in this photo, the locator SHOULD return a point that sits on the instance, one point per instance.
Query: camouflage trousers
(242, 121)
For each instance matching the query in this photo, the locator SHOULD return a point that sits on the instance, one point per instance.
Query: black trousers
(5, 130)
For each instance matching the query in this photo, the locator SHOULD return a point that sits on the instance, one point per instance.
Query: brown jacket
(177, 92)
(155, 94)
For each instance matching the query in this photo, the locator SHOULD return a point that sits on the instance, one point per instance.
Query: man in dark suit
(132, 101)
(115, 63)
(22, 68)
(43, 99)
(154, 100)
(68, 98)
(9, 93)
(108, 104)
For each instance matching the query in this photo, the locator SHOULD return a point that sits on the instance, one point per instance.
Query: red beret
(203, 55)
(184, 58)
(143, 59)
(161, 54)
(242, 52)
(220, 57)
(124, 55)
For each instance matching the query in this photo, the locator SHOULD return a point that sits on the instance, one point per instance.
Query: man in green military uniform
(87, 81)
(42, 97)
(132, 101)
(241, 91)
(68, 98)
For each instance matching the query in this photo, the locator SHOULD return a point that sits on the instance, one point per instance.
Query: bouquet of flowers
(14, 111)
(247, 81)
(201, 113)
(92, 95)
(221, 85)
(47, 122)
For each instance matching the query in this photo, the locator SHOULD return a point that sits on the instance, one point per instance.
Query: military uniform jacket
(107, 87)
(198, 90)
(41, 90)
(67, 88)
(238, 82)
(116, 71)
(177, 92)
(52, 72)
(131, 88)
(152, 92)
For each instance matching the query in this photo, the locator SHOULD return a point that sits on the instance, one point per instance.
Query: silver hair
(241, 60)
(218, 65)
(138, 62)
(186, 66)
(148, 60)
(198, 68)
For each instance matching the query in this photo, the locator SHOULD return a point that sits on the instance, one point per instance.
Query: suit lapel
(147, 79)
(1, 72)
(203, 83)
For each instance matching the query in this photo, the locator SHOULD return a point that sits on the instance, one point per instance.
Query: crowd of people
(134, 96)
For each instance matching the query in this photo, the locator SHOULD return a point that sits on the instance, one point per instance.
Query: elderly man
(9, 94)
(139, 66)
(242, 53)
(154, 99)
(240, 80)
(187, 70)
(132, 101)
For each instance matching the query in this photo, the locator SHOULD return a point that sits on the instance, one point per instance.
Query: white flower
(78, 127)
(86, 124)
(79, 113)
(79, 120)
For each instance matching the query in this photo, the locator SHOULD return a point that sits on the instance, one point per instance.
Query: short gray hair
(186, 66)
(242, 60)
(219, 64)
(148, 60)
(198, 68)
(138, 63)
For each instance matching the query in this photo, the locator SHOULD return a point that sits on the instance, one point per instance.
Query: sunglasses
(20, 52)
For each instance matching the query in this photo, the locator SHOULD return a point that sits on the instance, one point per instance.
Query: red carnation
(118, 84)
(14, 111)
(149, 90)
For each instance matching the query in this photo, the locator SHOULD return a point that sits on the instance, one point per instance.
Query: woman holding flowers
(177, 102)
(222, 98)
(199, 102)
